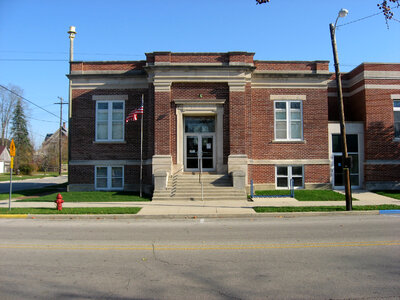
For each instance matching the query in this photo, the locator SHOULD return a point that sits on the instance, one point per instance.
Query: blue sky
(34, 32)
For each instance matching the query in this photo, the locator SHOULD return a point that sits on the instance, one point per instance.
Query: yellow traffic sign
(12, 148)
(12, 162)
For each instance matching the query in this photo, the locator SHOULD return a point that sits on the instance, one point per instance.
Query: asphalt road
(28, 184)
(340, 257)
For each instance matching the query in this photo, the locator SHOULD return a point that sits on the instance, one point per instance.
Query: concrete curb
(199, 216)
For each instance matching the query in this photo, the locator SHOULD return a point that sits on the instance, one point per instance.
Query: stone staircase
(183, 186)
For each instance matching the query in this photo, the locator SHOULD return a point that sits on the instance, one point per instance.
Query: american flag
(133, 114)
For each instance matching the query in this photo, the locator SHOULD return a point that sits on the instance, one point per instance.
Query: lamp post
(346, 161)
(72, 34)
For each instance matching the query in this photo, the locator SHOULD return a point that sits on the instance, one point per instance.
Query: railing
(200, 179)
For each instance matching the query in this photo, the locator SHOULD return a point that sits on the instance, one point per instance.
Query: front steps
(187, 187)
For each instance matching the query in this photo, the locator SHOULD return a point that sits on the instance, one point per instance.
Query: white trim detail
(109, 97)
(108, 83)
(288, 97)
(109, 162)
(395, 97)
(368, 86)
(162, 86)
(283, 162)
(237, 86)
(382, 162)
(200, 108)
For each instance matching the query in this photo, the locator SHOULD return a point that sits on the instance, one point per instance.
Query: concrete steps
(188, 187)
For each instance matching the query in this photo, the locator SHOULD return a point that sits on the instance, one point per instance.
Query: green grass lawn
(264, 209)
(33, 192)
(391, 194)
(307, 195)
(6, 176)
(76, 210)
(89, 197)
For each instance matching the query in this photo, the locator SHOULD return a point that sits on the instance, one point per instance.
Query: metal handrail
(200, 178)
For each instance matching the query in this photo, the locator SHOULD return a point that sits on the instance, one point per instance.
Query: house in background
(236, 118)
(47, 156)
(5, 160)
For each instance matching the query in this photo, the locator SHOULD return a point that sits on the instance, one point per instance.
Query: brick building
(226, 113)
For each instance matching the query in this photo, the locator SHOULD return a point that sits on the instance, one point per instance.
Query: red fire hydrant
(59, 201)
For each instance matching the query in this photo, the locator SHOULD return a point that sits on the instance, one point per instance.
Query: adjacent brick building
(270, 121)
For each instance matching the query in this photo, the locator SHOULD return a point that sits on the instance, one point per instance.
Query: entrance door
(199, 144)
(352, 149)
(199, 148)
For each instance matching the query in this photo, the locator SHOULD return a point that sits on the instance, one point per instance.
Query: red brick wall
(82, 131)
(163, 114)
(191, 91)
(82, 128)
(262, 174)
(317, 173)
(315, 126)
(382, 173)
(379, 127)
(81, 174)
(312, 174)
(292, 65)
(107, 66)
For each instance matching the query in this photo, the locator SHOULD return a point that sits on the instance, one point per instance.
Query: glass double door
(199, 152)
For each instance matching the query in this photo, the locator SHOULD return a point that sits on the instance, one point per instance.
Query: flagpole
(141, 149)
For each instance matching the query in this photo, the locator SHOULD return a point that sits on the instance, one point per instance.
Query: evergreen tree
(19, 132)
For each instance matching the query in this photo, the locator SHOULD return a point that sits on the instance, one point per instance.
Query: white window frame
(396, 109)
(110, 121)
(289, 176)
(109, 178)
(288, 120)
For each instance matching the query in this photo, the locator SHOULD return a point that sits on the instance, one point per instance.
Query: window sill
(109, 142)
(288, 142)
(397, 140)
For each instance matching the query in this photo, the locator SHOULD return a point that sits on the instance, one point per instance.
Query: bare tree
(8, 101)
(383, 5)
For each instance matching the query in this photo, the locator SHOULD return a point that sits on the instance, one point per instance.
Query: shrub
(26, 169)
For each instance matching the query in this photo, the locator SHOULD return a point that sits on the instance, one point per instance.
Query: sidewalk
(213, 208)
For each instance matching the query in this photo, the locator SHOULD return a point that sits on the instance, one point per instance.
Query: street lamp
(71, 33)
(346, 161)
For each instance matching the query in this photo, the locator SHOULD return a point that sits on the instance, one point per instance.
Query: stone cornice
(199, 101)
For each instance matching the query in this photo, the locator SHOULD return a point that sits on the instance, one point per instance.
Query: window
(109, 178)
(285, 173)
(288, 120)
(110, 121)
(396, 109)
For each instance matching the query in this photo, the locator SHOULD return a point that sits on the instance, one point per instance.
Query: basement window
(109, 177)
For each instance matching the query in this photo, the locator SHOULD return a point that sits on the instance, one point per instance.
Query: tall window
(109, 121)
(109, 178)
(396, 108)
(288, 120)
(285, 173)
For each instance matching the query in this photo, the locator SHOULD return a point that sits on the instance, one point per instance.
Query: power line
(43, 120)
(367, 17)
(31, 59)
(61, 52)
(2, 86)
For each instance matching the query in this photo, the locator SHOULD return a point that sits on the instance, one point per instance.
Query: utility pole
(346, 160)
(60, 137)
